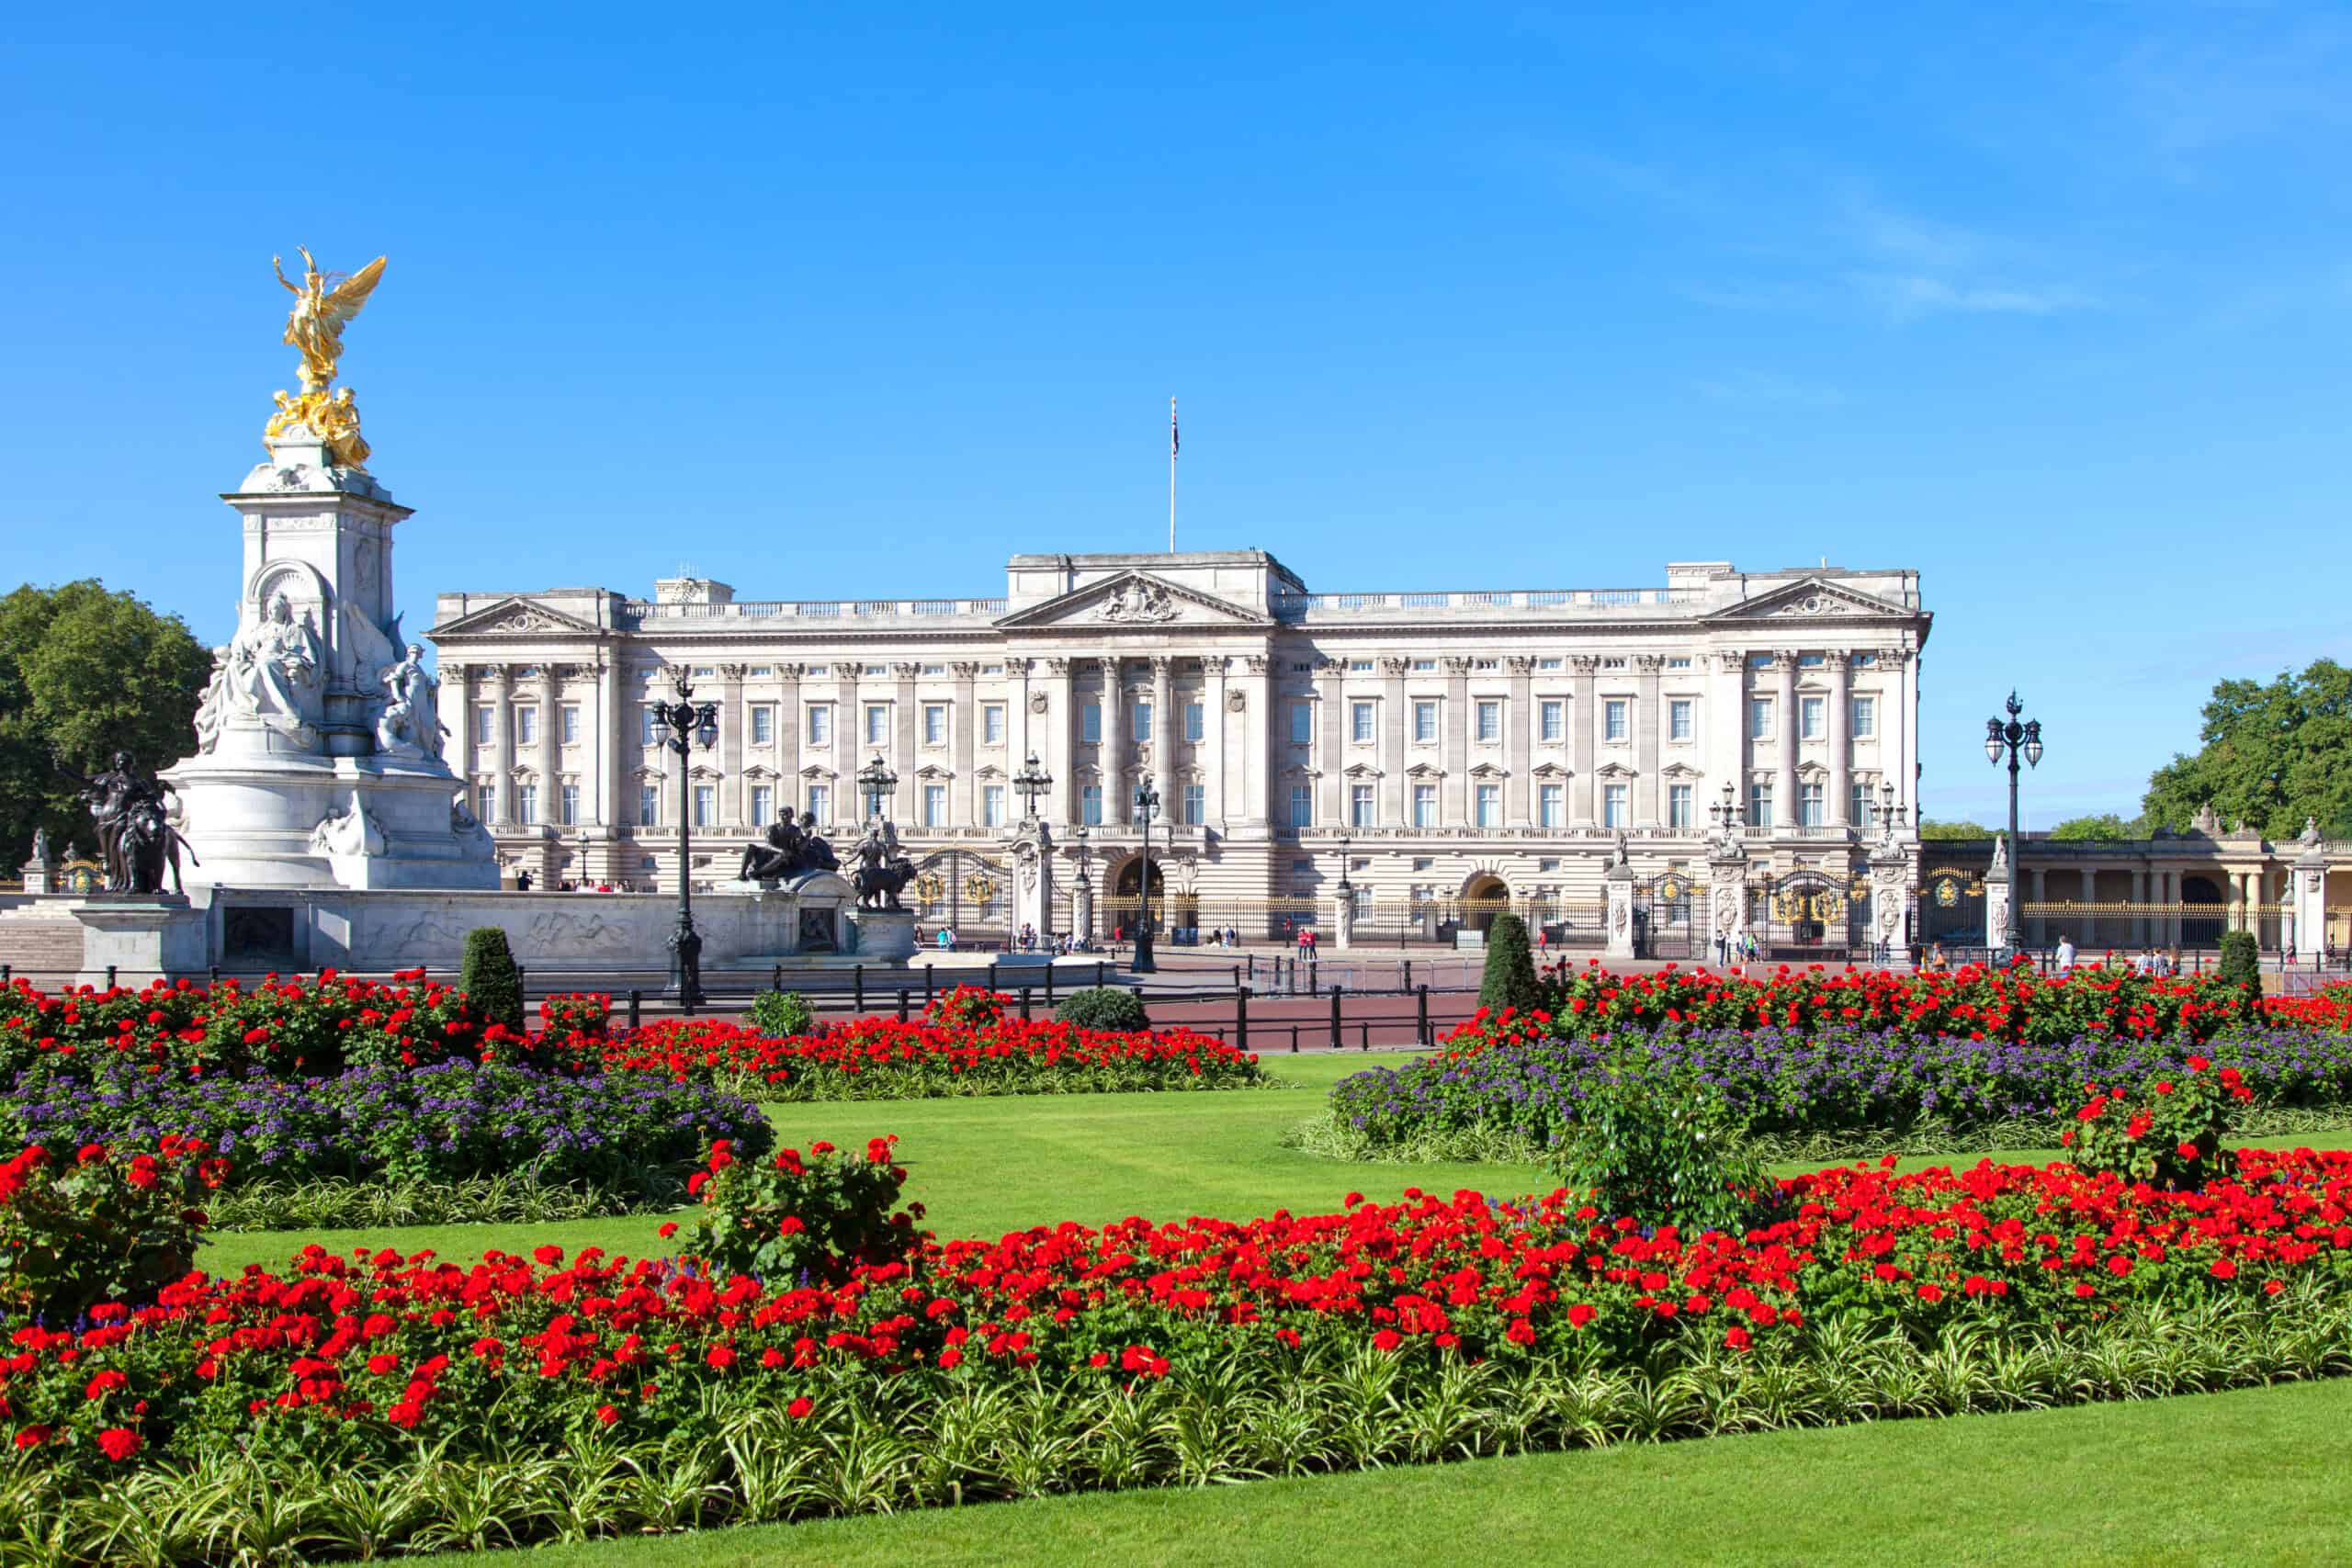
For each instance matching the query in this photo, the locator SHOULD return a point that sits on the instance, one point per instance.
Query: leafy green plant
(2240, 962)
(783, 1013)
(2167, 1133)
(1663, 1149)
(490, 980)
(1103, 1007)
(106, 1225)
(800, 1219)
(1509, 979)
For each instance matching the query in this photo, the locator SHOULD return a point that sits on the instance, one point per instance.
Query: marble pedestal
(139, 935)
(884, 936)
(1617, 895)
(256, 821)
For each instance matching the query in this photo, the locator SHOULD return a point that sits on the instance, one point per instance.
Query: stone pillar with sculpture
(1726, 929)
(1999, 889)
(319, 741)
(2306, 899)
(1617, 899)
(1890, 883)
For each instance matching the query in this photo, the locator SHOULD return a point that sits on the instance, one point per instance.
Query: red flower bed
(881, 1058)
(1971, 1002)
(367, 1353)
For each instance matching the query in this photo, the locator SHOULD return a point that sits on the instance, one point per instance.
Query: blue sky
(2052, 303)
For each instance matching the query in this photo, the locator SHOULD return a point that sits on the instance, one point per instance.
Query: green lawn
(2251, 1477)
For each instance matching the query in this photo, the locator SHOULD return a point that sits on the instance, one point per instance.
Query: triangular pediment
(1138, 599)
(1815, 598)
(513, 616)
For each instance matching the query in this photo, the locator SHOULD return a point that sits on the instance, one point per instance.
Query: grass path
(2249, 1477)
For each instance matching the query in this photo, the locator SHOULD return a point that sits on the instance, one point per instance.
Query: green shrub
(2166, 1132)
(106, 1225)
(800, 1220)
(784, 1013)
(1664, 1150)
(2241, 960)
(1103, 1007)
(1509, 979)
(490, 980)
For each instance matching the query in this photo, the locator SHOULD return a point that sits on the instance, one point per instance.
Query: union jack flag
(1172, 442)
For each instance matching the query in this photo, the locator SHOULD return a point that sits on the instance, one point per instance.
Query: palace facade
(1447, 752)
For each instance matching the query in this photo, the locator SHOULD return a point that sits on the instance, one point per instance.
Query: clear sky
(2051, 301)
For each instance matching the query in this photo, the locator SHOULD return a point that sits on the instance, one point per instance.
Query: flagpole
(1171, 476)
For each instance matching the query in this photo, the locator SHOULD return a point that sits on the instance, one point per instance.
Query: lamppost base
(1143, 963)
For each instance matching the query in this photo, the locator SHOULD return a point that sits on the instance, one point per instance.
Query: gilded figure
(325, 303)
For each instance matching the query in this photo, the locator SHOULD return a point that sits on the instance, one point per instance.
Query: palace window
(821, 725)
(1613, 723)
(1551, 663)
(991, 723)
(1424, 806)
(762, 805)
(568, 716)
(762, 725)
(1865, 718)
(1809, 661)
(1090, 805)
(1490, 720)
(486, 803)
(1809, 804)
(1861, 808)
(1549, 802)
(1195, 722)
(1360, 806)
(1424, 666)
(706, 804)
(649, 728)
(1678, 806)
(934, 805)
(1760, 805)
(649, 806)
(935, 724)
(821, 804)
(1302, 806)
(1360, 666)
(1678, 664)
(1488, 804)
(1553, 718)
(1678, 719)
(1359, 723)
(1613, 811)
(874, 670)
(1759, 718)
(816, 670)
(935, 668)
(1864, 661)
(527, 726)
(762, 669)
(877, 723)
(1302, 723)
(486, 721)
(991, 806)
(526, 804)
(1196, 801)
(1425, 723)
(1812, 724)
(1139, 722)
(567, 804)
(1090, 723)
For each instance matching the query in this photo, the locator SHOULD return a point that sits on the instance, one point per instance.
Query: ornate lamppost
(2013, 738)
(877, 783)
(688, 723)
(1030, 782)
(1343, 919)
(1146, 808)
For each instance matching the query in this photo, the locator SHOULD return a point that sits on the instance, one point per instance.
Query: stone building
(1452, 753)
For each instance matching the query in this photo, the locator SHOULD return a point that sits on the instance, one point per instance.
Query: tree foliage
(2271, 755)
(86, 672)
(2105, 827)
(1931, 828)
(489, 979)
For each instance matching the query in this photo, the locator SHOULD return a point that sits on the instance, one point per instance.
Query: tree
(86, 672)
(1931, 828)
(1509, 979)
(2271, 757)
(2106, 827)
(489, 979)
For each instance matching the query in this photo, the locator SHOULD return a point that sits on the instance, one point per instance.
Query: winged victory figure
(324, 306)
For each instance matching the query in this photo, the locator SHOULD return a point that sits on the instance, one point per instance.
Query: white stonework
(1481, 749)
(287, 787)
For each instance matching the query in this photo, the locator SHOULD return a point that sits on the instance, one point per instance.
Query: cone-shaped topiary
(491, 983)
(2241, 959)
(1510, 969)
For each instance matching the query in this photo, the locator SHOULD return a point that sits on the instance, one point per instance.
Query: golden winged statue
(325, 303)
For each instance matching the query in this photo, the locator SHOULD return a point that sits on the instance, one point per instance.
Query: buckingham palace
(1443, 753)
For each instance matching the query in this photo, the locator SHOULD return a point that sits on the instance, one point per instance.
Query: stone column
(2090, 896)
(964, 800)
(1583, 719)
(1728, 726)
(551, 761)
(1059, 724)
(1163, 737)
(1784, 721)
(1112, 752)
(1212, 739)
(734, 790)
(1263, 765)
(1840, 730)
(1648, 810)
(1332, 802)
(904, 808)
(1395, 751)
(460, 679)
(502, 732)
(1518, 746)
(1726, 899)
(1453, 795)
(2307, 896)
(789, 723)
(1617, 898)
